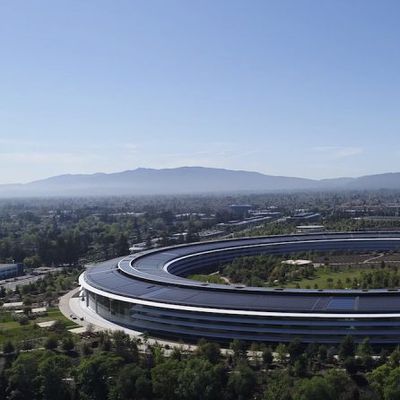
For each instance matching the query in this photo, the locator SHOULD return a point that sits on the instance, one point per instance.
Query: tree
(267, 356)
(209, 350)
(53, 371)
(27, 302)
(394, 357)
(295, 349)
(239, 349)
(344, 387)
(322, 353)
(364, 348)
(51, 343)
(391, 389)
(58, 327)
(377, 379)
(86, 350)
(300, 366)
(132, 383)
(122, 246)
(241, 382)
(94, 375)
(165, 379)
(364, 351)
(347, 348)
(352, 365)
(279, 387)
(282, 352)
(199, 380)
(32, 262)
(176, 353)
(67, 344)
(8, 347)
(22, 377)
(124, 346)
(316, 388)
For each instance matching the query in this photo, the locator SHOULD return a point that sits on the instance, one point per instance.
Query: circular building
(148, 292)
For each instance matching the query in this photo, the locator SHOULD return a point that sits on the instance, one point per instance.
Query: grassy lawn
(322, 274)
(14, 331)
(54, 314)
(214, 278)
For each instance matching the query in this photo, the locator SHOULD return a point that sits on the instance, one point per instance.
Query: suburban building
(11, 270)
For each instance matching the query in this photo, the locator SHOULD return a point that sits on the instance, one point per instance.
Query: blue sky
(301, 88)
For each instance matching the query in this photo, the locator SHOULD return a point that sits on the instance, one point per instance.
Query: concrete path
(75, 309)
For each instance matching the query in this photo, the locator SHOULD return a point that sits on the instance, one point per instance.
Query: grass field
(322, 275)
(213, 278)
(14, 331)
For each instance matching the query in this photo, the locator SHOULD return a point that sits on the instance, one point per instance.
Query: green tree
(394, 357)
(267, 356)
(316, 388)
(122, 246)
(347, 348)
(295, 349)
(132, 383)
(51, 343)
(209, 350)
(352, 365)
(391, 389)
(124, 346)
(344, 387)
(239, 349)
(322, 353)
(377, 379)
(22, 377)
(53, 372)
(199, 380)
(8, 347)
(32, 262)
(165, 379)
(282, 352)
(94, 375)
(279, 386)
(241, 382)
(300, 366)
(67, 344)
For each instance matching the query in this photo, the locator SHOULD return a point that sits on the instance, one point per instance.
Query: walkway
(75, 309)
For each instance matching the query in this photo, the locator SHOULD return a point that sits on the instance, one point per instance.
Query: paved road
(72, 306)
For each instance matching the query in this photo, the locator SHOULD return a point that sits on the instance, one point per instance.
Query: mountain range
(187, 180)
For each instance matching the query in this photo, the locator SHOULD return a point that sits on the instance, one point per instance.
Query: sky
(307, 88)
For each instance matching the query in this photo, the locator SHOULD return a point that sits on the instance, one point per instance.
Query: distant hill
(185, 180)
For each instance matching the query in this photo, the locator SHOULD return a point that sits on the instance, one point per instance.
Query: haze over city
(294, 88)
(199, 200)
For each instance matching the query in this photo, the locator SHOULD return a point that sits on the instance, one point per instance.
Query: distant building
(240, 210)
(211, 233)
(298, 263)
(306, 216)
(310, 228)
(265, 213)
(11, 270)
(247, 222)
(138, 247)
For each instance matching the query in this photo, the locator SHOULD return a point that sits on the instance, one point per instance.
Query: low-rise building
(11, 270)
(310, 228)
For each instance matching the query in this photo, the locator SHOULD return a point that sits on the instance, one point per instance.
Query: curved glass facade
(148, 293)
(176, 324)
